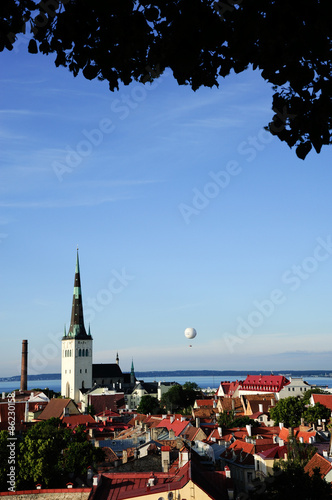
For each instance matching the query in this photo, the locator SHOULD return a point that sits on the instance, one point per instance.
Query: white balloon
(190, 333)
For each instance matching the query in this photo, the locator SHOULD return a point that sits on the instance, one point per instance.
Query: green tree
(317, 412)
(226, 419)
(292, 483)
(288, 411)
(201, 41)
(48, 452)
(191, 386)
(148, 404)
(173, 398)
(4, 466)
(179, 397)
(307, 395)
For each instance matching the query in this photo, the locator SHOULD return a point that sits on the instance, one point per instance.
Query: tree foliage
(178, 397)
(200, 41)
(148, 404)
(292, 483)
(307, 395)
(288, 411)
(49, 452)
(317, 412)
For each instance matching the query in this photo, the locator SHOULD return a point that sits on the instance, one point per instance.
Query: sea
(204, 382)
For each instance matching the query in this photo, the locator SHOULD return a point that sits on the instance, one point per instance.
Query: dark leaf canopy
(289, 42)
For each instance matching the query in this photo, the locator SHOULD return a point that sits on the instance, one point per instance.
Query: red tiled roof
(204, 402)
(276, 452)
(177, 426)
(284, 434)
(228, 388)
(73, 421)
(270, 383)
(317, 461)
(323, 399)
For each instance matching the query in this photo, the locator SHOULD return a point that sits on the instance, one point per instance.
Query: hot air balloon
(190, 333)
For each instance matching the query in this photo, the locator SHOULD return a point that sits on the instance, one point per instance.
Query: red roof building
(182, 481)
(228, 389)
(323, 399)
(177, 426)
(323, 464)
(263, 383)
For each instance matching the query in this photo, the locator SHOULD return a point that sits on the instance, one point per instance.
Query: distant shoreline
(192, 373)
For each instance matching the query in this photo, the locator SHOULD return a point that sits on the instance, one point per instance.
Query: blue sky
(186, 213)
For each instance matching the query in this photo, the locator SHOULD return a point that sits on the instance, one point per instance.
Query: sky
(186, 212)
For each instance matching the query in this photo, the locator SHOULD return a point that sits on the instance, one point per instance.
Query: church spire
(77, 328)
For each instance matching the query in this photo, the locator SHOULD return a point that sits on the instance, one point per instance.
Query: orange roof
(317, 461)
(323, 399)
(284, 434)
(204, 402)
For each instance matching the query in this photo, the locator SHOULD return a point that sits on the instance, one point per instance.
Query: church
(79, 376)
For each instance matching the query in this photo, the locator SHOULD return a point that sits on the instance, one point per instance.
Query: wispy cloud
(216, 123)
(24, 112)
(62, 203)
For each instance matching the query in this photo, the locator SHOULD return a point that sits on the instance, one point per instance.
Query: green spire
(132, 366)
(77, 328)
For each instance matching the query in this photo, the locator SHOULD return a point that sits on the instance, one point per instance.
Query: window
(79, 352)
(86, 352)
(86, 371)
(80, 370)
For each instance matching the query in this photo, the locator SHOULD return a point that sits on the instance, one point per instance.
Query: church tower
(76, 359)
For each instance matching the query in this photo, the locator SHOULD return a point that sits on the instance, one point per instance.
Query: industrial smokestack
(24, 366)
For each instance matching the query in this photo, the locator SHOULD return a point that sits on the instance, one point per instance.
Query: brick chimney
(24, 366)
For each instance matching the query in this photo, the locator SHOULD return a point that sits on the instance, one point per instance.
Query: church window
(86, 371)
(83, 352)
(79, 352)
(86, 352)
(80, 370)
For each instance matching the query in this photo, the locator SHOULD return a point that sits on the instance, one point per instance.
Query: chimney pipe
(24, 366)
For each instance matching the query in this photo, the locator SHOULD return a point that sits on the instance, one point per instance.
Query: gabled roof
(323, 399)
(240, 452)
(126, 485)
(101, 402)
(106, 370)
(229, 404)
(228, 388)
(73, 421)
(199, 403)
(298, 433)
(55, 407)
(276, 452)
(177, 426)
(191, 433)
(317, 461)
(268, 383)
